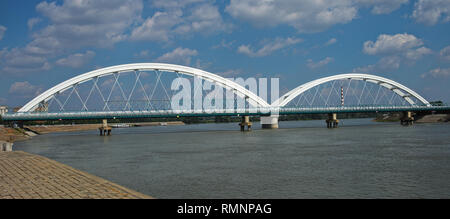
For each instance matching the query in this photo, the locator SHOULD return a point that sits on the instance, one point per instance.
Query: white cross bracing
(356, 92)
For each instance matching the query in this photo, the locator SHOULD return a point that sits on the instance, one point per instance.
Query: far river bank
(18, 134)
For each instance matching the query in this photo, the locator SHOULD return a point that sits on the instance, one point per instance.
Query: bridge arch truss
(239, 90)
(402, 91)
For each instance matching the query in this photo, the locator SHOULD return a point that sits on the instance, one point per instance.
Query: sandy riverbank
(395, 117)
(12, 134)
(434, 118)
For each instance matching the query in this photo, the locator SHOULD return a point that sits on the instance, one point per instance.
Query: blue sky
(43, 43)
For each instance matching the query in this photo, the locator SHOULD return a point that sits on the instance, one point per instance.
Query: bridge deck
(206, 113)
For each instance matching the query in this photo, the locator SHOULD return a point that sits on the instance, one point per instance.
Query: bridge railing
(264, 111)
(135, 114)
(367, 108)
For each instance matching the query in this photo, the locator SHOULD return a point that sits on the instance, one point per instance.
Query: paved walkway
(28, 176)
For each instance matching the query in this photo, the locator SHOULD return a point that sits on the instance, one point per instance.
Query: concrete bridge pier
(407, 119)
(245, 122)
(105, 129)
(332, 121)
(269, 122)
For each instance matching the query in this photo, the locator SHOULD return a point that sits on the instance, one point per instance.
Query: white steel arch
(398, 88)
(228, 84)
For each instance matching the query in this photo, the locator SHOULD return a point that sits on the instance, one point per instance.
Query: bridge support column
(269, 122)
(332, 121)
(245, 122)
(407, 119)
(105, 129)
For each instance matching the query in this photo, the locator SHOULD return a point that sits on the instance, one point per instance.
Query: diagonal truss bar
(132, 91)
(110, 93)
(149, 106)
(61, 106)
(79, 97)
(362, 92)
(89, 95)
(67, 99)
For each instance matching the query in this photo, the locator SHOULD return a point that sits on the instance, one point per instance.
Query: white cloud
(394, 50)
(156, 28)
(175, 18)
(269, 46)
(24, 89)
(76, 60)
(231, 73)
(19, 61)
(204, 18)
(224, 44)
(365, 69)
(391, 44)
(321, 63)
(200, 64)
(430, 12)
(32, 22)
(178, 56)
(384, 64)
(306, 15)
(445, 53)
(168, 4)
(2, 31)
(76, 24)
(143, 54)
(416, 54)
(438, 73)
(382, 6)
(331, 42)
(72, 25)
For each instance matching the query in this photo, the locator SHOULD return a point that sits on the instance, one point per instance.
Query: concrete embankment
(28, 176)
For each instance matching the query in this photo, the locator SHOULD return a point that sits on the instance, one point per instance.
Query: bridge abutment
(407, 119)
(332, 121)
(245, 122)
(269, 122)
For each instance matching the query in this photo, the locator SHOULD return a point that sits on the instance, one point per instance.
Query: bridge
(141, 90)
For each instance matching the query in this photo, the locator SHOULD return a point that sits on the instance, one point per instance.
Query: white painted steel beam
(396, 87)
(228, 84)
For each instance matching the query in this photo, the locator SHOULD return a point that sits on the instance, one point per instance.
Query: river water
(302, 159)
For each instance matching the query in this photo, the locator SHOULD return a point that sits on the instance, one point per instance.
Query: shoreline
(12, 135)
(431, 118)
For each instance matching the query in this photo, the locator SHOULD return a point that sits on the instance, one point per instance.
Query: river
(302, 159)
